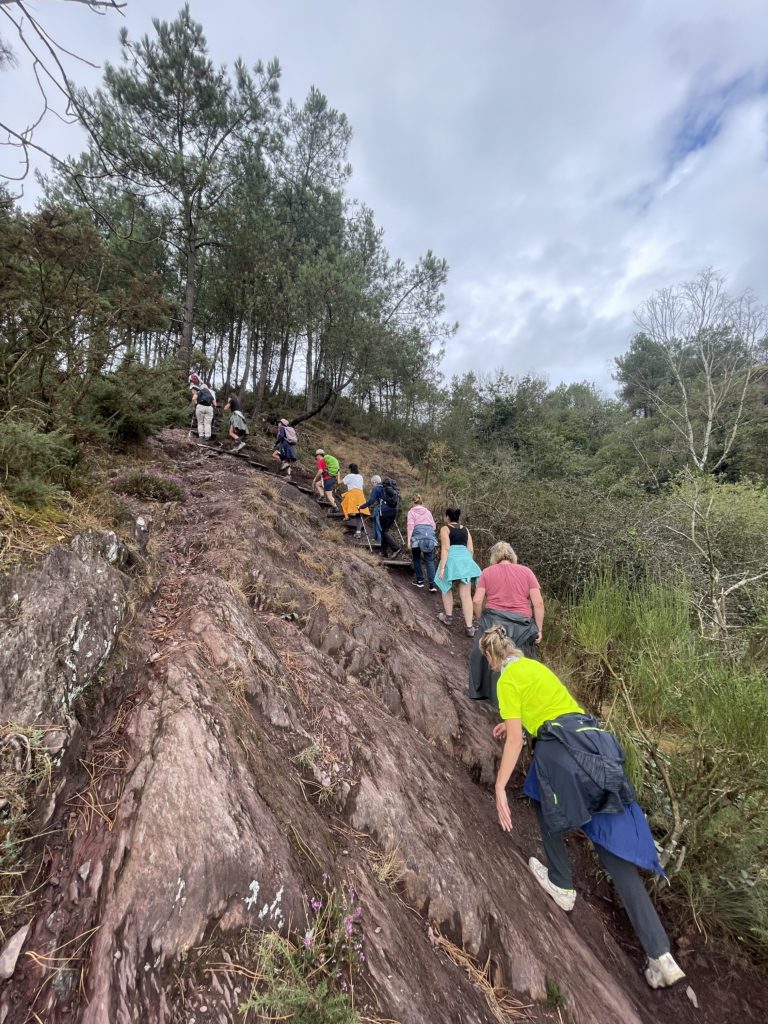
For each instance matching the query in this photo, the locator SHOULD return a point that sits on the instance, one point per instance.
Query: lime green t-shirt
(529, 691)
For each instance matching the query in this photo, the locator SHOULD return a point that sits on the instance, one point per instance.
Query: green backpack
(333, 464)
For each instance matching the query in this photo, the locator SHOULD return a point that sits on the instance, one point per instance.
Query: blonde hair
(502, 552)
(497, 647)
(416, 499)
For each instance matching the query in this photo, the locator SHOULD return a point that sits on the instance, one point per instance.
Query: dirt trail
(285, 718)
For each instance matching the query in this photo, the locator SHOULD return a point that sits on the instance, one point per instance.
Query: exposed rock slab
(60, 625)
(290, 713)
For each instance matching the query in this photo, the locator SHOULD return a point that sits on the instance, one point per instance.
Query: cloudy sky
(567, 159)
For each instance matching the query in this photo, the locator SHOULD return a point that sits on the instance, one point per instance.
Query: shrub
(561, 530)
(692, 724)
(35, 466)
(149, 487)
(133, 402)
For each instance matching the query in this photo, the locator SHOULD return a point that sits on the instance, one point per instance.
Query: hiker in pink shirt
(421, 539)
(507, 594)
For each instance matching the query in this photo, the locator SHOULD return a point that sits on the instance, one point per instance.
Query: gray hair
(502, 552)
(375, 479)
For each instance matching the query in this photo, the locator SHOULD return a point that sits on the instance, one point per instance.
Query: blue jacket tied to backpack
(578, 778)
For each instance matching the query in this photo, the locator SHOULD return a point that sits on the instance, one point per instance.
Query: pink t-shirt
(508, 587)
(420, 516)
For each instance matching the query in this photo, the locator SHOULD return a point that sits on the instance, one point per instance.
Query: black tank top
(458, 535)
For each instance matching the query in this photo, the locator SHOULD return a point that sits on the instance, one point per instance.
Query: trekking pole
(362, 523)
(400, 532)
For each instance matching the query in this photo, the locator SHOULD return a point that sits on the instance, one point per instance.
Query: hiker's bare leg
(465, 596)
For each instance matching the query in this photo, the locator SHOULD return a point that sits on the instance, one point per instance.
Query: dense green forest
(209, 226)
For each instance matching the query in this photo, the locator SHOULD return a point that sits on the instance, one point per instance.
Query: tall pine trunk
(310, 376)
(190, 290)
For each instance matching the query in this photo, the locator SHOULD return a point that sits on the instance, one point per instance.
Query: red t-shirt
(322, 466)
(508, 587)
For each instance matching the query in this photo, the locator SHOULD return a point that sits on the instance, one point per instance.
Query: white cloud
(565, 158)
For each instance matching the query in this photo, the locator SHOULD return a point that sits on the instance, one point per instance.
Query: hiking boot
(564, 898)
(432, 588)
(396, 552)
(469, 630)
(283, 466)
(418, 583)
(663, 971)
(239, 446)
(358, 534)
(445, 619)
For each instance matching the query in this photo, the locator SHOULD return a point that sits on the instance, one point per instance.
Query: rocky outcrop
(288, 719)
(59, 626)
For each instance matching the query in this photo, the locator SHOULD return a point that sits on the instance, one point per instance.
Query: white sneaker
(564, 898)
(663, 971)
(239, 446)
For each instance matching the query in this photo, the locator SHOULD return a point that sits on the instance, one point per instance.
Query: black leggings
(388, 542)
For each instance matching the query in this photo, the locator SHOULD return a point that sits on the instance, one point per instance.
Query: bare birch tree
(709, 342)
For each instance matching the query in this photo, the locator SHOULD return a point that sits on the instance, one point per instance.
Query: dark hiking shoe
(432, 588)
(445, 619)
(418, 583)
(469, 630)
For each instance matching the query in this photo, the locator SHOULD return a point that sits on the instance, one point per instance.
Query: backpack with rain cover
(290, 434)
(333, 464)
(391, 493)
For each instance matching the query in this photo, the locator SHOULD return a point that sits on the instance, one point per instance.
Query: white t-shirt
(353, 480)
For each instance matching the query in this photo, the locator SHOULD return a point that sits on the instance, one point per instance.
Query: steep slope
(283, 720)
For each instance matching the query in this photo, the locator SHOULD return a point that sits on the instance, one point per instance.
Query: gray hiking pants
(625, 876)
(204, 415)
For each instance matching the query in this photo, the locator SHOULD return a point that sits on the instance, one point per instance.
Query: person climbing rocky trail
(259, 721)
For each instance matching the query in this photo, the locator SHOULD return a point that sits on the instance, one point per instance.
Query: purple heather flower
(315, 903)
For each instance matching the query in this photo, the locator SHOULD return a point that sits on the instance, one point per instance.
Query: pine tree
(168, 125)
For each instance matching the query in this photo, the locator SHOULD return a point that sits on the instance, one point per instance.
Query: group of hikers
(577, 776)
(204, 404)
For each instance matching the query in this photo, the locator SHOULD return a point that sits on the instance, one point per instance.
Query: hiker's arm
(445, 543)
(374, 497)
(478, 601)
(470, 545)
(537, 603)
(513, 744)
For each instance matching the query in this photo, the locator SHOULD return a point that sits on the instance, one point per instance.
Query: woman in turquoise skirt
(456, 566)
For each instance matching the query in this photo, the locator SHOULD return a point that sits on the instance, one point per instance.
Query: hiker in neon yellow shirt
(529, 691)
(578, 781)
